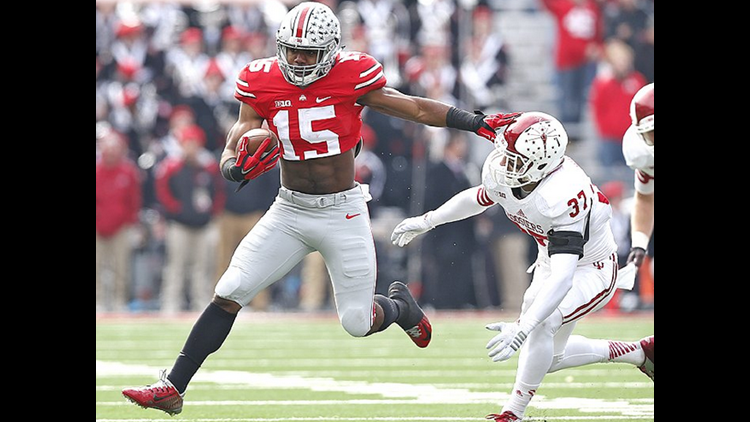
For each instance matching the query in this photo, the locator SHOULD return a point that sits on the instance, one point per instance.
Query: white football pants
(337, 225)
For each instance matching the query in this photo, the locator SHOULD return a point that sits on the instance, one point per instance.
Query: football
(256, 137)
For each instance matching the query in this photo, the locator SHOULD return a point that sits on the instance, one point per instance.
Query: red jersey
(319, 120)
(609, 98)
(118, 196)
(579, 26)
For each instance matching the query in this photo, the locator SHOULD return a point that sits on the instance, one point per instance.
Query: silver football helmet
(310, 27)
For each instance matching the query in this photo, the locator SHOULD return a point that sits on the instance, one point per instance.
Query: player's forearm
(233, 136)
(394, 103)
(642, 220)
(247, 119)
(230, 145)
(460, 207)
(431, 112)
(556, 287)
(416, 109)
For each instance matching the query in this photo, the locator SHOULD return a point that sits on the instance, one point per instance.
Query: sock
(391, 311)
(580, 351)
(206, 337)
(520, 398)
(627, 352)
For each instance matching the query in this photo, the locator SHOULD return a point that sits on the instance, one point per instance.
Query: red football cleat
(412, 320)
(421, 334)
(506, 416)
(162, 396)
(648, 366)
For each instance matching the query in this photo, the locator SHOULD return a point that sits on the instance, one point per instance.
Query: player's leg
(579, 350)
(400, 307)
(360, 310)
(592, 286)
(349, 253)
(263, 257)
(412, 318)
(582, 351)
(534, 361)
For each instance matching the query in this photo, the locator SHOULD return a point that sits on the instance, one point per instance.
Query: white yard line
(477, 386)
(391, 393)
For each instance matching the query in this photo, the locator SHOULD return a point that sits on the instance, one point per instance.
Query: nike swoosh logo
(350, 216)
(320, 100)
(157, 398)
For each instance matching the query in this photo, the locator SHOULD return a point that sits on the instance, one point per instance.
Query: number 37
(581, 202)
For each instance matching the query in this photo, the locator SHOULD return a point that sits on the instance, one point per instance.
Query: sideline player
(311, 95)
(638, 149)
(548, 196)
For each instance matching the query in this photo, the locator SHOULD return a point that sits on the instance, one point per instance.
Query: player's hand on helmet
(251, 166)
(636, 256)
(492, 122)
(507, 343)
(410, 228)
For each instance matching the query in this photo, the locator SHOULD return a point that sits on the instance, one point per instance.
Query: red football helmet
(642, 113)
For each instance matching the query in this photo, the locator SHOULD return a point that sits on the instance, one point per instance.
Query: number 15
(306, 117)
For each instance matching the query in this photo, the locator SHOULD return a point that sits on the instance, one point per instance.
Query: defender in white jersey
(638, 149)
(548, 196)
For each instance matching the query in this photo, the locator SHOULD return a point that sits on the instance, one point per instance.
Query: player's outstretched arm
(461, 206)
(434, 113)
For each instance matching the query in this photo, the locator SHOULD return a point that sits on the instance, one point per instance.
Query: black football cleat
(412, 319)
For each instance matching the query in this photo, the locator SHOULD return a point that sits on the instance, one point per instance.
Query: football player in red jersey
(311, 95)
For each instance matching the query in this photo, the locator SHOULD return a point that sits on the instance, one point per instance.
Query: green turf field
(281, 367)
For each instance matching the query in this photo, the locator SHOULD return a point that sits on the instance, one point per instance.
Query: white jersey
(639, 157)
(563, 200)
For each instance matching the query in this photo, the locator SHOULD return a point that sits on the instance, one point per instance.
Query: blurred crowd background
(167, 223)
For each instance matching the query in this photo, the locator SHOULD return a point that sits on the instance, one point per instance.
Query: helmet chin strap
(525, 190)
(529, 187)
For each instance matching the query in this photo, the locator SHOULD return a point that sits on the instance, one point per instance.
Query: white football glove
(507, 343)
(410, 228)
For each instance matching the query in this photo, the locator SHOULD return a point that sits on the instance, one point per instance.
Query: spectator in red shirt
(191, 193)
(611, 92)
(118, 200)
(580, 29)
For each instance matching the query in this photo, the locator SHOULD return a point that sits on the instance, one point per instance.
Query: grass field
(282, 367)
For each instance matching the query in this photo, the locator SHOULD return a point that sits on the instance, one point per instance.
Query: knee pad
(556, 359)
(356, 321)
(229, 286)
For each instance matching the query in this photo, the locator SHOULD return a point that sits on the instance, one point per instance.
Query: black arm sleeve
(463, 120)
(568, 241)
(230, 171)
(565, 242)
